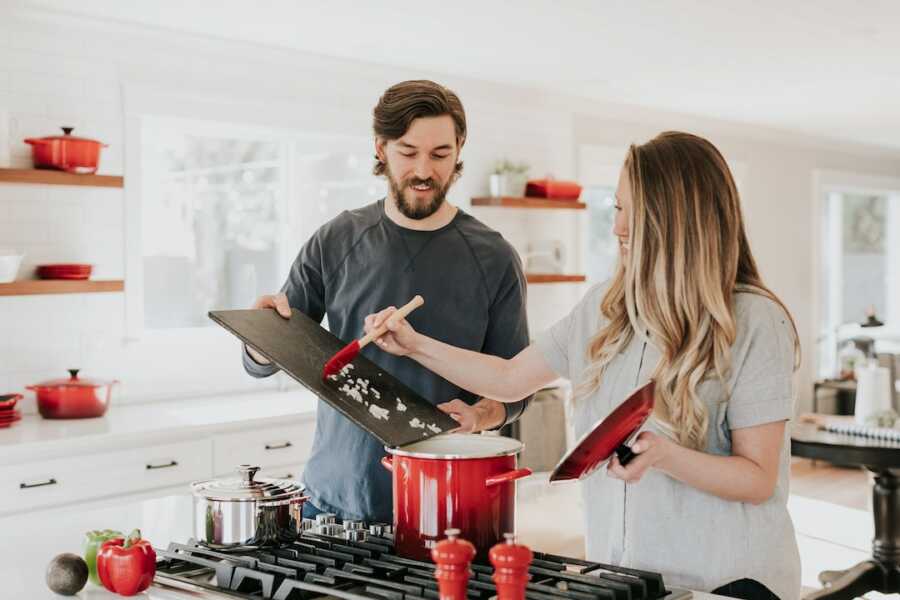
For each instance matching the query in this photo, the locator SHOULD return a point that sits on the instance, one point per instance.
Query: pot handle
(508, 476)
(387, 463)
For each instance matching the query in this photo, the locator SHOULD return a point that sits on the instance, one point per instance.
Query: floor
(830, 507)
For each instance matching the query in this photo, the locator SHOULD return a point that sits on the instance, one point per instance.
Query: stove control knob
(354, 525)
(326, 518)
(376, 530)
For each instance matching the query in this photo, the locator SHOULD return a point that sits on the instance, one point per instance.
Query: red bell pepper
(126, 566)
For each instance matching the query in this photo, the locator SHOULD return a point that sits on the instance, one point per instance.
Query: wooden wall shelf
(510, 202)
(554, 278)
(31, 287)
(47, 176)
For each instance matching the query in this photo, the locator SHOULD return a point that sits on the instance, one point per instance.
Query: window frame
(828, 272)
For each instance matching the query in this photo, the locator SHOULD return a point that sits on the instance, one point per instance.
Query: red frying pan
(607, 436)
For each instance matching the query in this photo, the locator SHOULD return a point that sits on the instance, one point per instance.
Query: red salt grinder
(511, 562)
(452, 557)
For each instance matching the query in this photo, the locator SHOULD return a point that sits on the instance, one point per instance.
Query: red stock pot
(72, 398)
(454, 481)
(66, 152)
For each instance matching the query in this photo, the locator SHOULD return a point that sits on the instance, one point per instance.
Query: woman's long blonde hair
(688, 253)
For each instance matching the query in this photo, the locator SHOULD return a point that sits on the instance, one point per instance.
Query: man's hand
(280, 303)
(277, 301)
(486, 414)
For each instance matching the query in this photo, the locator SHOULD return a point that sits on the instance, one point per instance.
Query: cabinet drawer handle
(25, 486)
(278, 446)
(173, 463)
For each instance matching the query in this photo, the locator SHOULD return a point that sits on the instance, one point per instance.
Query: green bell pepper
(92, 542)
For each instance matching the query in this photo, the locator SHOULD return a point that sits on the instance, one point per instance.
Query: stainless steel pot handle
(278, 446)
(25, 486)
(173, 463)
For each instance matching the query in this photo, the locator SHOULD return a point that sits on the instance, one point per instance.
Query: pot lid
(460, 445)
(67, 135)
(245, 487)
(72, 381)
(597, 445)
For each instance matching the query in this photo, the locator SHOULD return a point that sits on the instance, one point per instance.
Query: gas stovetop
(360, 563)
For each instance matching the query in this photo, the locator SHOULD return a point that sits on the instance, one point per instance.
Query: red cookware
(607, 436)
(64, 271)
(8, 402)
(72, 398)
(66, 152)
(453, 481)
(7, 420)
(551, 188)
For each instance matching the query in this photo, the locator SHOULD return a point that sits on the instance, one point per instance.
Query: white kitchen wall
(96, 77)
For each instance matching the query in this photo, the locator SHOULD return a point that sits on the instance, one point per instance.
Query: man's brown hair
(407, 101)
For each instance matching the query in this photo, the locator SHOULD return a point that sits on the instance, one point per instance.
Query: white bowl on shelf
(10, 260)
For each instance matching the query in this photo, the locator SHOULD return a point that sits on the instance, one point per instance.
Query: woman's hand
(400, 339)
(651, 449)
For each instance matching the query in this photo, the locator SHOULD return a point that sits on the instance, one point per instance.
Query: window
(211, 223)
(223, 216)
(860, 270)
(602, 245)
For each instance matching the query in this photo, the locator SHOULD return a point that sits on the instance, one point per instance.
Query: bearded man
(414, 241)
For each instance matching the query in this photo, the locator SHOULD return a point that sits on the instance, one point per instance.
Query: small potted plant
(508, 178)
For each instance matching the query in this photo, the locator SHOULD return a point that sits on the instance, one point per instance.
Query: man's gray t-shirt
(696, 540)
(361, 262)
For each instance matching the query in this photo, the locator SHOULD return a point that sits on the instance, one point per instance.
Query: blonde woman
(705, 499)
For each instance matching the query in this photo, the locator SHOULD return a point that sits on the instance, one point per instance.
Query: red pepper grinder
(511, 562)
(452, 557)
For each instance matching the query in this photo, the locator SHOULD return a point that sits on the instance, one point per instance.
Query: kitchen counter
(36, 438)
(32, 540)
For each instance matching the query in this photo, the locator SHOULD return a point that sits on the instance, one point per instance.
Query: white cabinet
(285, 446)
(54, 482)
(136, 455)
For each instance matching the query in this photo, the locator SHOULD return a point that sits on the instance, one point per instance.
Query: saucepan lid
(597, 445)
(245, 487)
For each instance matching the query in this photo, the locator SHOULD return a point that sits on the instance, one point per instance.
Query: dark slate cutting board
(300, 347)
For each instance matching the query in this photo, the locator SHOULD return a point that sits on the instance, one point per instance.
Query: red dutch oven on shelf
(454, 481)
(72, 398)
(66, 152)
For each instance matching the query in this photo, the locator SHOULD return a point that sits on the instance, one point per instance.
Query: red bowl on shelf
(64, 271)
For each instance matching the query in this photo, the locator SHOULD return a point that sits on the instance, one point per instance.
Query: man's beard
(412, 209)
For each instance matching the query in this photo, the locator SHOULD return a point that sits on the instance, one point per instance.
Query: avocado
(66, 574)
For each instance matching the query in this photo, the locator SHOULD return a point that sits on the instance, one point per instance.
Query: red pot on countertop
(72, 398)
(454, 481)
(66, 152)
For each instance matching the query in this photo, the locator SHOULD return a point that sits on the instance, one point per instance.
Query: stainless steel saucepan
(244, 511)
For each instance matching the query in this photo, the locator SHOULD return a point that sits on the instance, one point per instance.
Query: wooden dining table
(881, 572)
